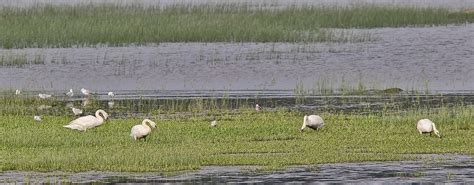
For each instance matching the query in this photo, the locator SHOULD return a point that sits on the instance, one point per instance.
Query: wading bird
(44, 96)
(214, 123)
(85, 92)
(258, 107)
(111, 94)
(76, 111)
(70, 93)
(312, 121)
(142, 130)
(37, 118)
(86, 122)
(111, 104)
(18, 92)
(427, 126)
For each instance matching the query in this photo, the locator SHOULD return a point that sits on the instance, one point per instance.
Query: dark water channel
(431, 169)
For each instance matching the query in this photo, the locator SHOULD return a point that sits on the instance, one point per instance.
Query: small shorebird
(70, 93)
(37, 118)
(85, 92)
(258, 107)
(76, 111)
(44, 96)
(111, 94)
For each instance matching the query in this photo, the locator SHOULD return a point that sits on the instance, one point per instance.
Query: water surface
(430, 169)
(420, 58)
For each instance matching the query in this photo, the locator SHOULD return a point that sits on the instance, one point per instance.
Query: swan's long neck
(152, 124)
(304, 122)
(98, 115)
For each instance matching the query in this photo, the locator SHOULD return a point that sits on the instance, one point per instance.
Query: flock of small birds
(141, 131)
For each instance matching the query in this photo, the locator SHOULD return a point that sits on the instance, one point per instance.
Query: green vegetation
(270, 139)
(76, 26)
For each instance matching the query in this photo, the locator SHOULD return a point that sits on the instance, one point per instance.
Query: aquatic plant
(90, 25)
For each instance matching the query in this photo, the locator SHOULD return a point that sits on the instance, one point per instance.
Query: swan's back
(140, 131)
(425, 125)
(314, 121)
(86, 122)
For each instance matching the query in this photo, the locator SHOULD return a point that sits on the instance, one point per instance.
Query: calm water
(426, 58)
(431, 169)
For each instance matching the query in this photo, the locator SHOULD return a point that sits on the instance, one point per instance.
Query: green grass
(87, 25)
(268, 139)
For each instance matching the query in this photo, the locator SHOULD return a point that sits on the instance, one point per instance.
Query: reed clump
(90, 25)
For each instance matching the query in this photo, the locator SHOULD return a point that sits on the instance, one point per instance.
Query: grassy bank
(63, 26)
(269, 139)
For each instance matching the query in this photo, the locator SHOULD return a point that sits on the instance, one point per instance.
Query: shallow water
(429, 169)
(427, 58)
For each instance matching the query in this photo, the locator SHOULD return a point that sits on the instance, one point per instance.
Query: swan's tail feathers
(74, 127)
(436, 130)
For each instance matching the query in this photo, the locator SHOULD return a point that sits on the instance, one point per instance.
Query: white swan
(312, 121)
(258, 107)
(85, 92)
(70, 93)
(18, 92)
(214, 123)
(44, 96)
(141, 131)
(76, 111)
(37, 118)
(111, 94)
(427, 126)
(85, 122)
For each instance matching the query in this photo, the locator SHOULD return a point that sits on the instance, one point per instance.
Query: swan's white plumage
(44, 96)
(142, 130)
(427, 126)
(70, 93)
(312, 121)
(87, 122)
(76, 111)
(111, 94)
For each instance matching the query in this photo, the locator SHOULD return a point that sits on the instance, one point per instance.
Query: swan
(76, 111)
(70, 93)
(37, 118)
(312, 121)
(44, 96)
(18, 92)
(214, 123)
(85, 92)
(427, 126)
(111, 94)
(141, 131)
(85, 122)
(258, 107)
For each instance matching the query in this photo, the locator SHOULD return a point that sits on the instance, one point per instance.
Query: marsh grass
(88, 25)
(268, 139)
